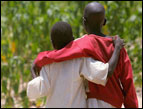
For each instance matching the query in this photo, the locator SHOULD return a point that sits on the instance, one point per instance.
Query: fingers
(118, 41)
(123, 44)
(115, 37)
(33, 70)
(33, 73)
(37, 71)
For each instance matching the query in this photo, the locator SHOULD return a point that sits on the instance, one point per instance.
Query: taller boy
(93, 21)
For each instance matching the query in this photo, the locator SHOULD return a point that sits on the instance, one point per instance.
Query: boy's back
(63, 84)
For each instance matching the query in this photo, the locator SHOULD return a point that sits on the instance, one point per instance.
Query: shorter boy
(63, 82)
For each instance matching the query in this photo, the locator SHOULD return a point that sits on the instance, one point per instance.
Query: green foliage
(25, 30)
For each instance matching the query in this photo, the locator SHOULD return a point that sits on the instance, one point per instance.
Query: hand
(118, 42)
(34, 71)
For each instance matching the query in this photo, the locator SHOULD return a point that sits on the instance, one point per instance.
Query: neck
(99, 33)
(96, 31)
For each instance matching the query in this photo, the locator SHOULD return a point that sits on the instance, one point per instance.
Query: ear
(53, 45)
(104, 22)
(73, 38)
(84, 21)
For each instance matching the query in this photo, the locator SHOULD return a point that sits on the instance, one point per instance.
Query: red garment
(119, 88)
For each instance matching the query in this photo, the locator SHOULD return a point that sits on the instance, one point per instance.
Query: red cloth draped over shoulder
(119, 88)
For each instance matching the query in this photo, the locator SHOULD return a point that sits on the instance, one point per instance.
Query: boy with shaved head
(93, 21)
(94, 18)
(120, 87)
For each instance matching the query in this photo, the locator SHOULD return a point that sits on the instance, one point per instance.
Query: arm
(115, 56)
(39, 86)
(113, 61)
(35, 70)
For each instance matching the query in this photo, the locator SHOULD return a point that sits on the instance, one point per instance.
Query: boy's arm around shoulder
(39, 86)
(126, 78)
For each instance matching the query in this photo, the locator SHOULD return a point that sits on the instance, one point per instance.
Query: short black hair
(61, 34)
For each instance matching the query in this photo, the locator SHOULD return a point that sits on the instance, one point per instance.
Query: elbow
(30, 92)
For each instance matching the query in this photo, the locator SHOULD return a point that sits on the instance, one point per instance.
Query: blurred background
(25, 31)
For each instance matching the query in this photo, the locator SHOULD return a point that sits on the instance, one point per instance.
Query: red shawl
(119, 88)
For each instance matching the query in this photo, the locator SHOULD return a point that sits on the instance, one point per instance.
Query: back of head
(94, 15)
(61, 35)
